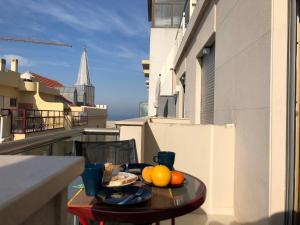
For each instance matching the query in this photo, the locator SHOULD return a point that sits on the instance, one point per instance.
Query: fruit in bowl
(146, 174)
(177, 178)
(161, 176)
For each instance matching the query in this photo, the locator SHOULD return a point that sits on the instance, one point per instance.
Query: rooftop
(46, 81)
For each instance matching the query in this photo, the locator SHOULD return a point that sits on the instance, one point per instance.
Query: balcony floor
(203, 219)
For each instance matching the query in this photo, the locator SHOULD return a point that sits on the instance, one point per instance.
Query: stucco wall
(9, 78)
(161, 42)
(190, 66)
(250, 91)
(205, 151)
(244, 91)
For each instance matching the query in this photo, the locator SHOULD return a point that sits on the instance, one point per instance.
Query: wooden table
(166, 203)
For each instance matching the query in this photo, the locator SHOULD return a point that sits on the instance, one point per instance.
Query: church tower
(83, 85)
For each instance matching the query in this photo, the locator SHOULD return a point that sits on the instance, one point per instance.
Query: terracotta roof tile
(47, 82)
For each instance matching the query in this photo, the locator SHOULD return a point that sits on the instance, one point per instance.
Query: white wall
(245, 95)
(205, 151)
(161, 42)
(250, 91)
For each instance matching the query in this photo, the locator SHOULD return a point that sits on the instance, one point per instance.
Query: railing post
(24, 122)
(183, 24)
(51, 149)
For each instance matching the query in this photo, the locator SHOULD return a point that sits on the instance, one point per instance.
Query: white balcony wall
(205, 151)
(167, 73)
(161, 42)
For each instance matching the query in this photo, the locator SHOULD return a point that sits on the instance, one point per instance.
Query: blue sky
(115, 33)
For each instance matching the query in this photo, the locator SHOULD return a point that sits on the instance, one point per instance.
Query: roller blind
(208, 87)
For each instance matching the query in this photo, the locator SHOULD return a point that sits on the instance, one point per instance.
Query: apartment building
(224, 63)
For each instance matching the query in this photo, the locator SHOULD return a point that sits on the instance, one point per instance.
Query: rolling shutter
(208, 87)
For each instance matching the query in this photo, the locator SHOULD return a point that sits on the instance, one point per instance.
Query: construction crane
(34, 41)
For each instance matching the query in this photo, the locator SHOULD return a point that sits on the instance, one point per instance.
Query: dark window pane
(13, 102)
(162, 16)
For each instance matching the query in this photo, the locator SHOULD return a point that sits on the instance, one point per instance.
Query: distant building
(31, 103)
(83, 92)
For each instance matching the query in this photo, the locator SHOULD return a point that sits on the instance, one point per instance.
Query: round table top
(165, 203)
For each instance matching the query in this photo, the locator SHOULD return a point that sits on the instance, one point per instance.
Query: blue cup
(165, 158)
(92, 178)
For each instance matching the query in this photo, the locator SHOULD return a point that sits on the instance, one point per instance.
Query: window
(13, 102)
(208, 85)
(167, 13)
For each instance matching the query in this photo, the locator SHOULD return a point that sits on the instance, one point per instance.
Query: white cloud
(119, 51)
(22, 60)
(53, 63)
(85, 16)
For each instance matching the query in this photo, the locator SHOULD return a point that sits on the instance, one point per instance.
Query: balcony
(151, 135)
(24, 121)
(37, 174)
(79, 118)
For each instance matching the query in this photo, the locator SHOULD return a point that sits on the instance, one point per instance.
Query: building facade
(225, 62)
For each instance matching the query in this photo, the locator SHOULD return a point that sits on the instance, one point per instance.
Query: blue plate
(119, 196)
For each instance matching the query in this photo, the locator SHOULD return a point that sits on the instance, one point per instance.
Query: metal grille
(116, 152)
(208, 87)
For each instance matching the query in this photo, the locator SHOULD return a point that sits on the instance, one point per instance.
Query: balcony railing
(79, 118)
(143, 109)
(183, 23)
(25, 121)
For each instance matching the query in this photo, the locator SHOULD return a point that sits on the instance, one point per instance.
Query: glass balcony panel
(177, 14)
(163, 16)
(170, 1)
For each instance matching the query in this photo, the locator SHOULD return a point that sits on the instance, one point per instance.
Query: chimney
(14, 65)
(2, 65)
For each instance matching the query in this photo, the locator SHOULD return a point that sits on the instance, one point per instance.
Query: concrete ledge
(169, 120)
(29, 182)
(133, 122)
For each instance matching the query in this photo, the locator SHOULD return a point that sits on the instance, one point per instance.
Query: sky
(115, 33)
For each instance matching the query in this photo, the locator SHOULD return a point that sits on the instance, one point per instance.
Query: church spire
(83, 73)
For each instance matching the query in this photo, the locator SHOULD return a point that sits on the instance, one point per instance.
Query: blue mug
(165, 158)
(92, 178)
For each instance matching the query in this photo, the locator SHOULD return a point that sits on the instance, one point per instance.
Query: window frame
(170, 3)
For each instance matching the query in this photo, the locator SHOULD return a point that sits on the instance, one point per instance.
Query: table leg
(173, 221)
(83, 221)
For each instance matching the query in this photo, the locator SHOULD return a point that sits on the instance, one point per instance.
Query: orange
(161, 176)
(146, 174)
(177, 178)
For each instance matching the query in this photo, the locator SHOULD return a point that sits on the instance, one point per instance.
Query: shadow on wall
(276, 219)
(151, 145)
